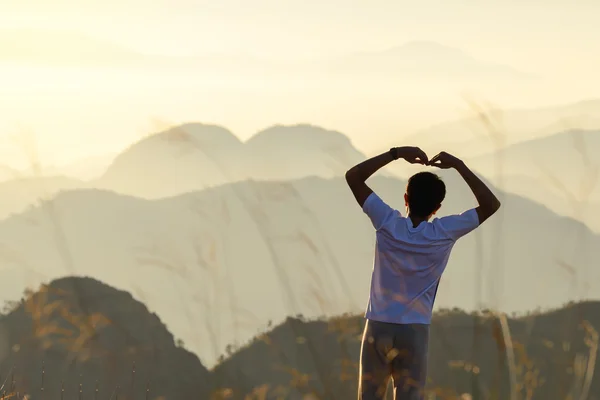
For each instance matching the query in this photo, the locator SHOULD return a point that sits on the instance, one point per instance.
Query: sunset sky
(76, 110)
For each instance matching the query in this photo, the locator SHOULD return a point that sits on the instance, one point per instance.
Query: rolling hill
(83, 332)
(83, 336)
(302, 359)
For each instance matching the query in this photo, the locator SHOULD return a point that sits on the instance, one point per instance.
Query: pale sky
(74, 113)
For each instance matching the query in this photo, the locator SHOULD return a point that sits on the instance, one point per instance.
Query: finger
(434, 159)
(423, 156)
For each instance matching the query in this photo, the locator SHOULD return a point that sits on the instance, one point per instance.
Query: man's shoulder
(456, 225)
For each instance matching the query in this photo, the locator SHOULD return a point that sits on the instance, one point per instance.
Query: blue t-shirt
(409, 261)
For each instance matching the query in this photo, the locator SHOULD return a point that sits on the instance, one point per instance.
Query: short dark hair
(425, 191)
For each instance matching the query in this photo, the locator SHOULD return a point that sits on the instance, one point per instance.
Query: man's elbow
(351, 176)
(494, 207)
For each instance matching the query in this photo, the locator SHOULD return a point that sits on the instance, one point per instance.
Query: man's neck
(417, 220)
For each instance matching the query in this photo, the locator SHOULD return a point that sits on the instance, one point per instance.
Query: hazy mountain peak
(284, 152)
(299, 135)
(189, 156)
(186, 136)
(199, 133)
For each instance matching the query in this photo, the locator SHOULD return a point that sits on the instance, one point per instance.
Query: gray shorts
(396, 351)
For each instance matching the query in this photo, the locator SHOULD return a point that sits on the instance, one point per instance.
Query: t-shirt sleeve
(377, 210)
(456, 226)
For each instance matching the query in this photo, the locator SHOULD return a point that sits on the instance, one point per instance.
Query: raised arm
(488, 202)
(358, 175)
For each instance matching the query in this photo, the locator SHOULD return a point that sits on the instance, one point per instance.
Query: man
(410, 257)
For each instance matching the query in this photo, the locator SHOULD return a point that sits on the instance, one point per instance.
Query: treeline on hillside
(78, 334)
(551, 355)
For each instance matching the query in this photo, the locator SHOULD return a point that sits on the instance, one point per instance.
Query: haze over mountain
(195, 156)
(305, 243)
(48, 46)
(551, 194)
(178, 160)
(71, 48)
(292, 152)
(413, 60)
(565, 163)
(86, 169)
(8, 173)
(19, 194)
(191, 157)
(423, 60)
(479, 134)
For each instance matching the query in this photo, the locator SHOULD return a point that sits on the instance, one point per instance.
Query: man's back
(409, 261)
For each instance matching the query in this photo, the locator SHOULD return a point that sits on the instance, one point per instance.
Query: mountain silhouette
(293, 152)
(196, 156)
(81, 331)
(178, 160)
(79, 334)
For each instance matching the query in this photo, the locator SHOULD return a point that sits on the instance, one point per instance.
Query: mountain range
(491, 128)
(423, 60)
(195, 156)
(304, 243)
(560, 171)
(192, 219)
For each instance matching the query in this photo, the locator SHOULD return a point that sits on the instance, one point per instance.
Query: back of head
(425, 192)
